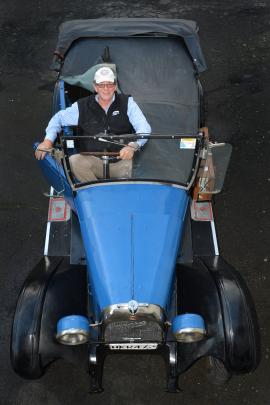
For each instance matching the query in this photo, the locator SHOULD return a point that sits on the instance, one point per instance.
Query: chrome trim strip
(48, 230)
(131, 182)
(191, 330)
(81, 334)
(189, 335)
(214, 235)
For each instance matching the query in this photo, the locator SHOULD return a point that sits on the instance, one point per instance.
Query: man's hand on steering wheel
(127, 152)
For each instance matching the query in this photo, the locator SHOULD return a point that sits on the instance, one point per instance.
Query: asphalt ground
(235, 39)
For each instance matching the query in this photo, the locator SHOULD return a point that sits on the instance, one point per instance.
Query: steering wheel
(105, 157)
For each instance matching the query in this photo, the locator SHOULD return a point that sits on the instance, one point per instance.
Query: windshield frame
(199, 137)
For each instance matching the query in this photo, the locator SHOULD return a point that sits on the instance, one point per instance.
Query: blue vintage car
(133, 264)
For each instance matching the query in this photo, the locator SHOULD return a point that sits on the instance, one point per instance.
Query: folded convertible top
(73, 30)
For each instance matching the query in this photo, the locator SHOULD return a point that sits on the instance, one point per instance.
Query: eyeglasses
(104, 85)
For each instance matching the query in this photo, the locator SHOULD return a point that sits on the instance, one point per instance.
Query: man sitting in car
(103, 112)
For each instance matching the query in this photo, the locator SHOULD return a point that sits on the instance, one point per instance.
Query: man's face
(105, 90)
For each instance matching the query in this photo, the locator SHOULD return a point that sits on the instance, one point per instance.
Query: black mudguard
(54, 289)
(212, 288)
(241, 329)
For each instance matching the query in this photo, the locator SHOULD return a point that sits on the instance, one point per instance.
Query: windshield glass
(171, 159)
(220, 155)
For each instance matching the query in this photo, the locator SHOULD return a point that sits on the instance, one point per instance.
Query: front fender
(215, 290)
(53, 290)
(241, 329)
(25, 336)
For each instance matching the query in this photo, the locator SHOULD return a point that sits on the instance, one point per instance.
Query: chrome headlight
(73, 330)
(188, 328)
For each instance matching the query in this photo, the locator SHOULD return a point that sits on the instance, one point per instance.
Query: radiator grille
(143, 330)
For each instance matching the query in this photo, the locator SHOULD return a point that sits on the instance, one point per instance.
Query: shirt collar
(113, 98)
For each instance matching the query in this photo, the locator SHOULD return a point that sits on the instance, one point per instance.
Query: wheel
(216, 371)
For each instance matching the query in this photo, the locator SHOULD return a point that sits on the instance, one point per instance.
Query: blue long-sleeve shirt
(70, 116)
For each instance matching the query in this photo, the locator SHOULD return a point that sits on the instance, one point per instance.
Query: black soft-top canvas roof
(71, 31)
(157, 62)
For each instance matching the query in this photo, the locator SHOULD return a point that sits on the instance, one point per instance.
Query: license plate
(133, 346)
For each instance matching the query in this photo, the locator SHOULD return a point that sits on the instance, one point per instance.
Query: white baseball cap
(104, 74)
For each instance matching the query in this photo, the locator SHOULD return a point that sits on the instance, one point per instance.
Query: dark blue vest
(93, 120)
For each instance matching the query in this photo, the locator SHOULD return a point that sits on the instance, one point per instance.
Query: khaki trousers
(88, 168)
